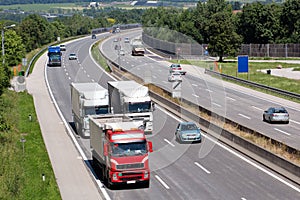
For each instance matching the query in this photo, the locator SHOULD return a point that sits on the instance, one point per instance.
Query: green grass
(21, 172)
(230, 68)
(98, 57)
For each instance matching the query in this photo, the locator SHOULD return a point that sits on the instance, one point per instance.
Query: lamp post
(2, 34)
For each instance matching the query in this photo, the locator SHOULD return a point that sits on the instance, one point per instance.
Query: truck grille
(131, 166)
(127, 176)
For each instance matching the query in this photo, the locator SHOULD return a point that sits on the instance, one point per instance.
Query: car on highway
(72, 56)
(175, 67)
(94, 36)
(174, 76)
(126, 40)
(276, 114)
(122, 52)
(62, 47)
(187, 132)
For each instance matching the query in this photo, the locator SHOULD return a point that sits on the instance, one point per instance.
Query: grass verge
(22, 167)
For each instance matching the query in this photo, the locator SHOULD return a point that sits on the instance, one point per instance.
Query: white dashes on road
(282, 131)
(203, 168)
(247, 117)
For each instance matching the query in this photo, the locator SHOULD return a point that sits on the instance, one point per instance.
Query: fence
(252, 50)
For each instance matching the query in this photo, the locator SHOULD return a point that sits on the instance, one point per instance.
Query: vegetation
(22, 168)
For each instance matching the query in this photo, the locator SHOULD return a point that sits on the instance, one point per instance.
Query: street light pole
(2, 35)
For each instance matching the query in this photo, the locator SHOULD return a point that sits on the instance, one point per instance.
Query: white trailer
(87, 99)
(133, 100)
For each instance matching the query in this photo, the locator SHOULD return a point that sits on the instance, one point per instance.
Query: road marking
(84, 71)
(138, 68)
(294, 121)
(67, 73)
(195, 95)
(243, 198)
(167, 141)
(216, 104)
(162, 182)
(88, 75)
(244, 116)
(208, 90)
(282, 131)
(195, 85)
(154, 77)
(203, 168)
(232, 99)
(257, 108)
(254, 164)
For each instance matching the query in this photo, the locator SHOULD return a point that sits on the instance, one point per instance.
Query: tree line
(214, 23)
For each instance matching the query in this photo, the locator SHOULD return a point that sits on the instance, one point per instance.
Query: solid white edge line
(162, 182)
(167, 141)
(255, 165)
(203, 168)
(282, 131)
(216, 104)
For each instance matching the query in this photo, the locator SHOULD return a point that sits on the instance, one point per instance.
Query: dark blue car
(188, 132)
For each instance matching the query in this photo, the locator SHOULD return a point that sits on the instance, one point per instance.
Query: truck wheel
(146, 184)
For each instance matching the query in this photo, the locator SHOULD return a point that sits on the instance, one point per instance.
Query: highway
(239, 104)
(178, 171)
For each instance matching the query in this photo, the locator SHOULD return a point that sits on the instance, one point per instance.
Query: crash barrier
(250, 83)
(212, 128)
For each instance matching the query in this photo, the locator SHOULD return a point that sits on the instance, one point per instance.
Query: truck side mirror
(150, 149)
(153, 106)
(105, 150)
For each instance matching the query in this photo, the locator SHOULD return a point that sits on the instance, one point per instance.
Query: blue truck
(54, 56)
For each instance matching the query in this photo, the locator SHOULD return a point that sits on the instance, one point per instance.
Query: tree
(259, 24)
(223, 39)
(35, 31)
(14, 48)
(290, 21)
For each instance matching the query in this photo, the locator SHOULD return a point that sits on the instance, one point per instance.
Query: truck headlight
(115, 176)
(146, 174)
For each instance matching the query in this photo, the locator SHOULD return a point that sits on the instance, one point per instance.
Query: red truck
(119, 150)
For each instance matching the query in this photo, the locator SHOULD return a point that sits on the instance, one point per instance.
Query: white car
(176, 68)
(62, 47)
(122, 52)
(126, 40)
(175, 76)
(72, 56)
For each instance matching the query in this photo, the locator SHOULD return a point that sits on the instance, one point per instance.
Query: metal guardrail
(250, 83)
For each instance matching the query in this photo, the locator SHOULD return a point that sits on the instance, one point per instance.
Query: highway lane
(213, 94)
(174, 172)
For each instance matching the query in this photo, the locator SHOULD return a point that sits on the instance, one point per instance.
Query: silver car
(274, 114)
(174, 76)
(188, 132)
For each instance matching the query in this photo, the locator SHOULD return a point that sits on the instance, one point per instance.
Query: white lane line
(232, 99)
(208, 90)
(88, 75)
(93, 80)
(67, 73)
(162, 182)
(195, 95)
(257, 108)
(244, 116)
(154, 77)
(282, 131)
(243, 198)
(254, 164)
(167, 141)
(203, 168)
(84, 71)
(294, 121)
(195, 85)
(216, 104)
(132, 65)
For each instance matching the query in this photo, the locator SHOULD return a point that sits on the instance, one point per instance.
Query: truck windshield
(54, 56)
(96, 110)
(139, 107)
(129, 149)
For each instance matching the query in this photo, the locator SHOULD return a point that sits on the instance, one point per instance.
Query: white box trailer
(87, 99)
(133, 100)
